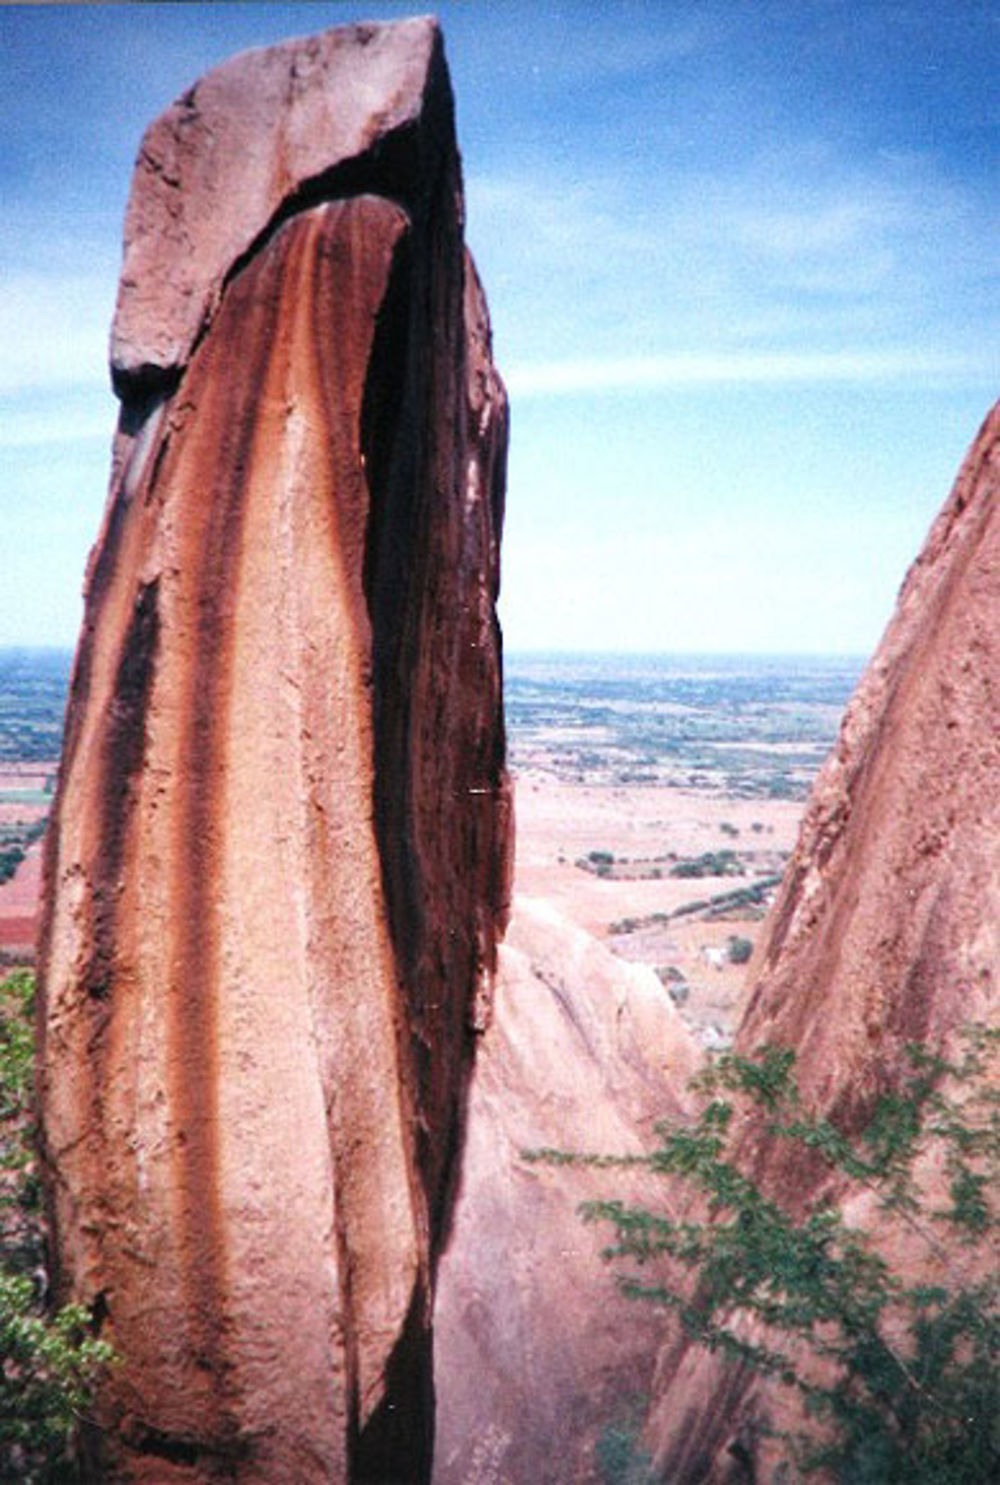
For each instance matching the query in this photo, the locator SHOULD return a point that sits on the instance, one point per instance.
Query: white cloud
(578, 224)
(805, 219)
(667, 372)
(797, 248)
(42, 422)
(54, 330)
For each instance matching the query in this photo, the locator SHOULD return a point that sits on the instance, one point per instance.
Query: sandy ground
(27, 775)
(560, 822)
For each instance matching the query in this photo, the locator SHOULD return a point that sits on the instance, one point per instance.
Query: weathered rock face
(278, 862)
(888, 927)
(536, 1353)
(887, 930)
(257, 139)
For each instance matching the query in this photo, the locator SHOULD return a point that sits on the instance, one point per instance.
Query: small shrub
(710, 864)
(739, 949)
(899, 1377)
(668, 973)
(50, 1361)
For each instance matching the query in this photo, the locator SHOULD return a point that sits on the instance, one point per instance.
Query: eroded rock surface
(266, 134)
(277, 867)
(536, 1352)
(887, 928)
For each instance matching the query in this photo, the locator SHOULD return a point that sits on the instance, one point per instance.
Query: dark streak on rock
(392, 449)
(123, 748)
(402, 1426)
(412, 402)
(216, 550)
(207, 1459)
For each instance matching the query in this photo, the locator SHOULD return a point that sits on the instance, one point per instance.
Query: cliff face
(277, 867)
(888, 926)
(887, 929)
(536, 1352)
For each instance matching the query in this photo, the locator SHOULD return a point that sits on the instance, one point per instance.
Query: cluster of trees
(723, 863)
(14, 841)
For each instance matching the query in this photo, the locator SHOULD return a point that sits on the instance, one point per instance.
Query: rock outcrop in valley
(536, 1354)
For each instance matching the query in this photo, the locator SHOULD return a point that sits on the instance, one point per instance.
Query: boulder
(278, 862)
(537, 1355)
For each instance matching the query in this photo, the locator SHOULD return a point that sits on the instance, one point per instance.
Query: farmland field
(658, 797)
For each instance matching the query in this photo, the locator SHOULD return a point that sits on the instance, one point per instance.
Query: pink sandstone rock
(887, 928)
(278, 863)
(536, 1352)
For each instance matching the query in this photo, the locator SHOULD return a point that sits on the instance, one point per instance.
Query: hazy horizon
(541, 653)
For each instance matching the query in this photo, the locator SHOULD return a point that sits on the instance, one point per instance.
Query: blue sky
(742, 261)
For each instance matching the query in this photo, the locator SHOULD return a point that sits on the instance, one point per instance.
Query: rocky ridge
(887, 927)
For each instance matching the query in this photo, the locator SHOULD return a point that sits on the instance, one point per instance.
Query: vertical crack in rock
(121, 765)
(279, 857)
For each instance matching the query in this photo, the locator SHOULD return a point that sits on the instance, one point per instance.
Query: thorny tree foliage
(898, 1374)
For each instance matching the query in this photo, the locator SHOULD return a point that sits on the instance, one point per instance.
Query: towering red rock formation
(887, 929)
(888, 926)
(278, 863)
(536, 1354)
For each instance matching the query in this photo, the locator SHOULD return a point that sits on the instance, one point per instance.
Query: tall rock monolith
(277, 867)
(887, 928)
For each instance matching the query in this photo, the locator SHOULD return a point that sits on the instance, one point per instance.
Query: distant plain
(657, 797)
